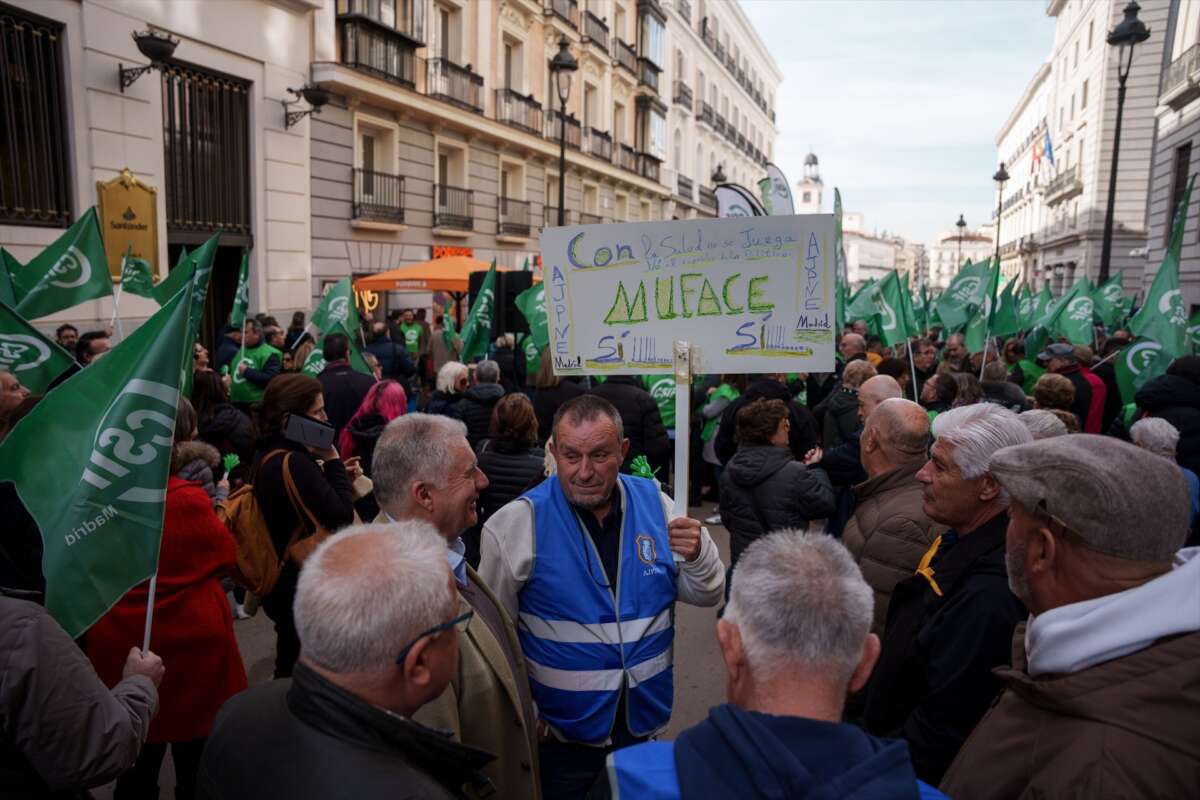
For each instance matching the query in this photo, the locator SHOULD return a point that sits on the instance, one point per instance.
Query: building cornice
(1038, 79)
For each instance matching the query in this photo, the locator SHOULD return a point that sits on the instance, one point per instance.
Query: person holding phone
(292, 419)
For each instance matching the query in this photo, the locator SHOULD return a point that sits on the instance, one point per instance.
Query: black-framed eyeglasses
(459, 622)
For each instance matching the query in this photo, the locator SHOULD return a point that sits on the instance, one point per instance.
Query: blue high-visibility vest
(584, 641)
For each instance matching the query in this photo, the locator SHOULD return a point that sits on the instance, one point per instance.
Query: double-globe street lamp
(561, 66)
(1128, 33)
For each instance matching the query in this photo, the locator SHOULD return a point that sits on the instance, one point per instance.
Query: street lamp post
(1001, 178)
(561, 66)
(1129, 32)
(962, 226)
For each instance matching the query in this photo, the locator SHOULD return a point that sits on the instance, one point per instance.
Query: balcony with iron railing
(627, 158)
(550, 216)
(683, 95)
(719, 125)
(684, 7)
(704, 113)
(378, 197)
(684, 187)
(648, 166)
(741, 142)
(708, 197)
(447, 81)
(566, 10)
(648, 74)
(730, 133)
(707, 35)
(626, 56)
(595, 30)
(1180, 84)
(405, 18)
(720, 51)
(372, 48)
(519, 111)
(1066, 184)
(573, 132)
(598, 144)
(586, 218)
(514, 217)
(453, 207)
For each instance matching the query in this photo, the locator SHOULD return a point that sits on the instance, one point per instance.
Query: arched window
(699, 165)
(677, 151)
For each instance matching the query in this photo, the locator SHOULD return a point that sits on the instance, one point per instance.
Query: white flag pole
(683, 413)
(149, 612)
(116, 317)
(913, 366)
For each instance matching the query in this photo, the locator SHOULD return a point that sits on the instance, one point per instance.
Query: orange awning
(449, 274)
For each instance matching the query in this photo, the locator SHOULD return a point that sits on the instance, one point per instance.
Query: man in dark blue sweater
(795, 638)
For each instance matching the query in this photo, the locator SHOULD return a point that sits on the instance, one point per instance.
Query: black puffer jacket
(1177, 400)
(764, 485)
(475, 409)
(641, 419)
(802, 438)
(444, 403)
(511, 468)
(839, 416)
(228, 430)
(365, 431)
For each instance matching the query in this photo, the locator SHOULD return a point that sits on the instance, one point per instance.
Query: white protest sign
(750, 294)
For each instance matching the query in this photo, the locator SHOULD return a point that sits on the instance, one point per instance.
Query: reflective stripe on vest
(581, 647)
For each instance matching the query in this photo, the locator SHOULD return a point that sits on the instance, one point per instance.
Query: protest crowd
(962, 564)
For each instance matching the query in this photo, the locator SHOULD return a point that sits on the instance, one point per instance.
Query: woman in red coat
(192, 627)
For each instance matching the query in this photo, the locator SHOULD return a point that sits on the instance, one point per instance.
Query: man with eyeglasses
(1101, 699)
(379, 626)
(425, 470)
(586, 562)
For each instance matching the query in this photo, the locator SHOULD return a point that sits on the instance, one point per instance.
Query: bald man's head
(874, 391)
(852, 344)
(899, 430)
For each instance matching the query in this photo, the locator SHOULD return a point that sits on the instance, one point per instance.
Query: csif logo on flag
(889, 316)
(20, 352)
(485, 308)
(72, 270)
(1170, 305)
(663, 389)
(1111, 293)
(339, 311)
(1141, 355)
(1028, 304)
(1080, 309)
(128, 457)
(966, 289)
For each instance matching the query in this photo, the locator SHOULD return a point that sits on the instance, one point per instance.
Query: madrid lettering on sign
(749, 294)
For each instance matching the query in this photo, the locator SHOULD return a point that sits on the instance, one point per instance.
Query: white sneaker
(715, 519)
(239, 612)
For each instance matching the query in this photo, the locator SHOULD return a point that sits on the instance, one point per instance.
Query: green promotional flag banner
(889, 299)
(1006, 320)
(839, 311)
(448, 332)
(241, 298)
(70, 271)
(532, 305)
(1162, 317)
(199, 263)
(979, 325)
(662, 389)
(1107, 300)
(8, 268)
(964, 296)
(337, 308)
(315, 363)
(920, 309)
(533, 359)
(477, 330)
(35, 360)
(1193, 332)
(1043, 307)
(1072, 315)
(908, 313)
(136, 276)
(177, 276)
(1026, 308)
(862, 304)
(90, 463)
(1137, 364)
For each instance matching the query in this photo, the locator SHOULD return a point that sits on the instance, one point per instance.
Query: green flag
(1162, 317)
(314, 363)
(35, 360)
(1006, 319)
(840, 300)
(477, 330)
(1072, 315)
(199, 263)
(1107, 300)
(1193, 332)
(1026, 308)
(90, 463)
(8, 268)
(448, 332)
(337, 308)
(1043, 307)
(532, 305)
(1138, 363)
(964, 296)
(136, 275)
(979, 325)
(920, 309)
(890, 318)
(70, 271)
(863, 303)
(241, 298)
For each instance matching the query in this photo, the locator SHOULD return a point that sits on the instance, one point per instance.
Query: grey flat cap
(1058, 350)
(1122, 500)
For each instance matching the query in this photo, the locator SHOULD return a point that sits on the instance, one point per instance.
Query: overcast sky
(901, 100)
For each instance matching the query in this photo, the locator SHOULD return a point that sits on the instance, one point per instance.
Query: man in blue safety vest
(585, 564)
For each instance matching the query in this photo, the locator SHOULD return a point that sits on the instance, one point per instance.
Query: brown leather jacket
(1124, 728)
(889, 533)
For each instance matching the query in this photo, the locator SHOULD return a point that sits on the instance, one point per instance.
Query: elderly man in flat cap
(952, 622)
(1103, 698)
